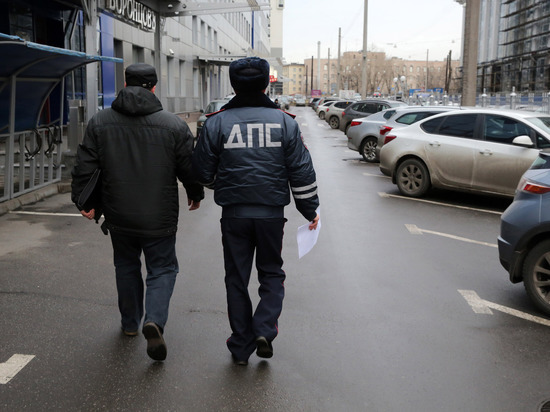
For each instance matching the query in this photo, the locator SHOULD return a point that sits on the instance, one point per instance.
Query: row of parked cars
(488, 151)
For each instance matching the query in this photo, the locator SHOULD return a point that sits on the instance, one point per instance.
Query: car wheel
(322, 115)
(368, 149)
(412, 178)
(536, 276)
(334, 122)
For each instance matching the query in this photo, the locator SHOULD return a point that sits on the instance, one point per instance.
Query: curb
(35, 196)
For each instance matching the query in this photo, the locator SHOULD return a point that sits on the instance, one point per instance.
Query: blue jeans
(162, 267)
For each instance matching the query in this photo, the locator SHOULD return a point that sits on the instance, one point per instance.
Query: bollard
(513, 99)
(484, 98)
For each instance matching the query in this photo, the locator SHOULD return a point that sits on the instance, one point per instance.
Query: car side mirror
(523, 140)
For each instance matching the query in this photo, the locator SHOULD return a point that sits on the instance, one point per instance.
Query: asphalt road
(401, 306)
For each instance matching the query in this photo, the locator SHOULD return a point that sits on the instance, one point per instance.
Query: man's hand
(193, 205)
(313, 224)
(90, 215)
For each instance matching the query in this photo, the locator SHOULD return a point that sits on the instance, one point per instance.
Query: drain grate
(545, 407)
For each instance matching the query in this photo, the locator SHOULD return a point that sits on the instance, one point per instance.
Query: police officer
(253, 156)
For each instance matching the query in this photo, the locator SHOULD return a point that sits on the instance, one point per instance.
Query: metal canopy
(29, 73)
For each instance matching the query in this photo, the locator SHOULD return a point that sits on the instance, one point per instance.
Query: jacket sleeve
(205, 157)
(302, 178)
(184, 150)
(87, 161)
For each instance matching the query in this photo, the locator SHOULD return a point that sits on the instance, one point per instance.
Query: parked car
(334, 112)
(364, 108)
(284, 102)
(212, 107)
(322, 108)
(366, 134)
(299, 100)
(524, 241)
(474, 150)
(313, 101)
(323, 100)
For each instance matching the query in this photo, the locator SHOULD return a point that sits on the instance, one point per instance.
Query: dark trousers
(162, 267)
(241, 237)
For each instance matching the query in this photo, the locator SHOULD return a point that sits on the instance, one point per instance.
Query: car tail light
(389, 138)
(531, 187)
(355, 123)
(384, 130)
(343, 114)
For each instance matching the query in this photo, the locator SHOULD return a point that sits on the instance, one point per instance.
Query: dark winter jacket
(251, 153)
(141, 150)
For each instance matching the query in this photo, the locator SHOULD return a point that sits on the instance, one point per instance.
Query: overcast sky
(401, 28)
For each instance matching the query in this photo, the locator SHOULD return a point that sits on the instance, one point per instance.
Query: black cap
(141, 74)
(249, 74)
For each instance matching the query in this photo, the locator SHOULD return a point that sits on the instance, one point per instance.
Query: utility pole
(318, 65)
(339, 74)
(364, 66)
(427, 68)
(469, 53)
(311, 75)
(329, 89)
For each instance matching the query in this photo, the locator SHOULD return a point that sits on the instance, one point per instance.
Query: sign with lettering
(134, 11)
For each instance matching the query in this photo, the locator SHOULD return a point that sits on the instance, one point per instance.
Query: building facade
(295, 79)
(514, 46)
(190, 44)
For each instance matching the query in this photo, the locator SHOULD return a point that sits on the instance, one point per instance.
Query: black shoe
(264, 348)
(156, 348)
(239, 362)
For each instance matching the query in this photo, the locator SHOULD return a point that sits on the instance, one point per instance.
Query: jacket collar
(255, 99)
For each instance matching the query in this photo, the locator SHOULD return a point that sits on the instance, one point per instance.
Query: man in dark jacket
(141, 151)
(253, 155)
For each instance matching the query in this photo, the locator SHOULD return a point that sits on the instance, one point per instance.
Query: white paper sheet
(307, 238)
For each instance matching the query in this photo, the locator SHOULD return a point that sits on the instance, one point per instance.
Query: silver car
(474, 150)
(366, 134)
(322, 108)
(333, 114)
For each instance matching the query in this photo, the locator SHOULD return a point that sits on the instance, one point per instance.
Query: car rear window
(542, 161)
(342, 105)
(411, 118)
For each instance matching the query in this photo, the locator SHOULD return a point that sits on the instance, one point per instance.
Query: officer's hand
(193, 205)
(90, 215)
(314, 222)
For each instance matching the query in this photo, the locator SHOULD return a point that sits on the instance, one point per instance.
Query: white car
(366, 134)
(475, 150)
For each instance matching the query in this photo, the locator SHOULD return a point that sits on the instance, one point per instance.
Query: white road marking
(477, 304)
(384, 176)
(484, 306)
(414, 230)
(12, 366)
(383, 194)
(45, 213)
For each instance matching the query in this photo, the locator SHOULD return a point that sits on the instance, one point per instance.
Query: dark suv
(364, 108)
(524, 241)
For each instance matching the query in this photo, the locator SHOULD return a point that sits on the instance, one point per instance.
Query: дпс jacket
(252, 154)
(141, 150)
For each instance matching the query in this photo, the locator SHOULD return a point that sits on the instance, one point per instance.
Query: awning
(29, 73)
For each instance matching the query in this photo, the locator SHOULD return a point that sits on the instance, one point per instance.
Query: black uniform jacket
(253, 153)
(141, 150)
